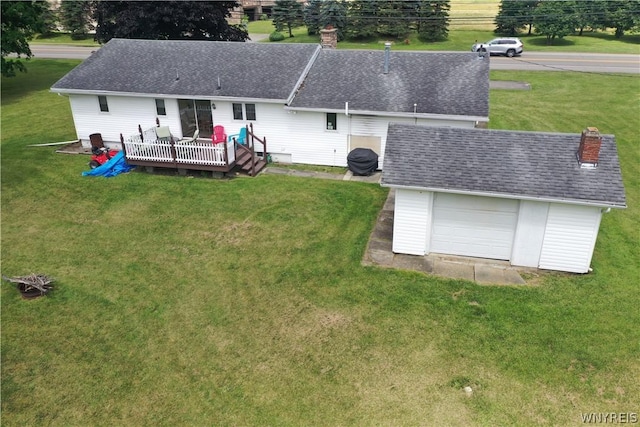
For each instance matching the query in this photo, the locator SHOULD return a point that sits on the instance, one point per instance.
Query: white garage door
(473, 226)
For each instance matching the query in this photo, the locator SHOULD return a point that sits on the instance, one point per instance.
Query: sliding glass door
(195, 114)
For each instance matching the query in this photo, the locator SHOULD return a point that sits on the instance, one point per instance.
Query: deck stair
(247, 159)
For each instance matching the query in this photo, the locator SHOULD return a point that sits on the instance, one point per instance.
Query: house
(534, 199)
(313, 104)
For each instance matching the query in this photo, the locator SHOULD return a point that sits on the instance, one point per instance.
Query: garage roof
(512, 164)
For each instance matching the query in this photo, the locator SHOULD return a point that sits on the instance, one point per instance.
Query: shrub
(276, 36)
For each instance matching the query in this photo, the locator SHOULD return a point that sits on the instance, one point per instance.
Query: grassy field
(189, 301)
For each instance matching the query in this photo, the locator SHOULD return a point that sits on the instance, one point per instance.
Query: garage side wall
(570, 237)
(527, 244)
(412, 222)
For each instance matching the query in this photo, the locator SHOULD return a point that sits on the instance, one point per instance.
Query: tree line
(162, 20)
(556, 19)
(363, 19)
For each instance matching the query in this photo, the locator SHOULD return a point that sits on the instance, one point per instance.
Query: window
(237, 112)
(160, 109)
(242, 110)
(251, 111)
(332, 121)
(102, 100)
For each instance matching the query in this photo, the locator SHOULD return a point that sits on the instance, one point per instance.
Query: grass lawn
(188, 301)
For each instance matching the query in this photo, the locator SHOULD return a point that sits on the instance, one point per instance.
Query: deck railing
(181, 153)
(251, 145)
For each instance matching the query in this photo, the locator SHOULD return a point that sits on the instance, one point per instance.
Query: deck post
(252, 149)
(174, 156)
(140, 132)
(124, 150)
(226, 153)
(158, 121)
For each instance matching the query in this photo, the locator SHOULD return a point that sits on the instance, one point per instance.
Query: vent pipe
(387, 55)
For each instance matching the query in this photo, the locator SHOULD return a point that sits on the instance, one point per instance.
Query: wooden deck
(198, 154)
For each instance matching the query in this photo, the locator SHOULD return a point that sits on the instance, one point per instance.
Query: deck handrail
(251, 138)
(197, 152)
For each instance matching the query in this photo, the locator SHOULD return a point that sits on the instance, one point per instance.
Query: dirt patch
(74, 148)
(509, 85)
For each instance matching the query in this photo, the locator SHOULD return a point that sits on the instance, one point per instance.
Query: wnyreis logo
(610, 418)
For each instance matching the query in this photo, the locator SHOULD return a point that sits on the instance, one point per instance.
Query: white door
(473, 226)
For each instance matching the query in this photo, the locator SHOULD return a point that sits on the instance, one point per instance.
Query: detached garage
(534, 199)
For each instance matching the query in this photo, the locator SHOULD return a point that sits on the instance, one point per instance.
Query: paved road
(51, 51)
(586, 62)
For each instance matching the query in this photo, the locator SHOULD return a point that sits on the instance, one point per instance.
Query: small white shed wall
(527, 244)
(412, 222)
(550, 236)
(570, 237)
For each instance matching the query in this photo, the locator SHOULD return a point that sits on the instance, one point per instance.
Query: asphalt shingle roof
(509, 163)
(438, 82)
(246, 70)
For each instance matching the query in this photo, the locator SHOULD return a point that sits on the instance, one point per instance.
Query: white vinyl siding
(411, 222)
(473, 226)
(125, 114)
(527, 243)
(296, 136)
(570, 238)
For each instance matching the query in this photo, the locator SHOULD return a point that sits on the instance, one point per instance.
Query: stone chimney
(589, 149)
(329, 38)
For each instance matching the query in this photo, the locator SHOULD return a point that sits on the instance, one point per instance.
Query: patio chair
(163, 133)
(195, 136)
(218, 136)
(241, 136)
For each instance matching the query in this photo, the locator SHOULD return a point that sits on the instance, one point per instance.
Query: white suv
(508, 46)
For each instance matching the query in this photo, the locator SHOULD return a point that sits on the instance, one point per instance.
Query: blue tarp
(113, 167)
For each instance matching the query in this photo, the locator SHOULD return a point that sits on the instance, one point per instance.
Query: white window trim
(106, 103)
(326, 123)
(244, 112)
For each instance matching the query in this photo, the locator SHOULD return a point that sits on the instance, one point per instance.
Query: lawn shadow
(542, 41)
(627, 38)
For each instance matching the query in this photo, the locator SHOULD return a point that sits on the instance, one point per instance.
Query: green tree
(621, 15)
(334, 13)
(393, 19)
(311, 17)
(362, 19)
(76, 17)
(434, 25)
(167, 20)
(587, 14)
(554, 19)
(21, 20)
(513, 15)
(287, 13)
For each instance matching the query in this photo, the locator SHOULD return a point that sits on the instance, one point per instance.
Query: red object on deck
(218, 136)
